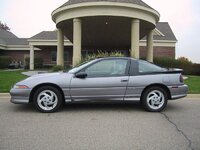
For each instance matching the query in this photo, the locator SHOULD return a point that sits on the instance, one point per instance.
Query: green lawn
(8, 79)
(194, 84)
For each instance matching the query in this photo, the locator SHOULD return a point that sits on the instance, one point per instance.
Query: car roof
(103, 58)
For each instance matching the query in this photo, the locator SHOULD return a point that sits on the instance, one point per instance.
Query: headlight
(21, 87)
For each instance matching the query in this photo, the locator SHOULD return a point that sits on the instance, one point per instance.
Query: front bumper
(20, 96)
(178, 91)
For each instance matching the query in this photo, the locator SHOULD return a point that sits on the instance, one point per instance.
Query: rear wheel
(154, 99)
(47, 99)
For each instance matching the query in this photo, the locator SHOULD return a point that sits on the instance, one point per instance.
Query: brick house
(164, 45)
(130, 27)
(45, 43)
(11, 45)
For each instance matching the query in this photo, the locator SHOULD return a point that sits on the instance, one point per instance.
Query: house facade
(11, 45)
(129, 27)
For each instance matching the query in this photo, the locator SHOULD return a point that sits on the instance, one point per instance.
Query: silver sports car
(103, 79)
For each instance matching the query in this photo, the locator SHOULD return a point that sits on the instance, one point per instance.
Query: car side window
(106, 68)
(146, 67)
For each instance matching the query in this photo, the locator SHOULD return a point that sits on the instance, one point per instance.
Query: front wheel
(154, 99)
(47, 99)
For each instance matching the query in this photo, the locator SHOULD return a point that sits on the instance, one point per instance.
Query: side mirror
(81, 75)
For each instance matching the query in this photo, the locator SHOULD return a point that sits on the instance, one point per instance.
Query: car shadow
(97, 106)
(102, 106)
(174, 107)
(85, 106)
(28, 108)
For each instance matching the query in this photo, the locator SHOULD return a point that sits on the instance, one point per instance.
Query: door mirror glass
(81, 75)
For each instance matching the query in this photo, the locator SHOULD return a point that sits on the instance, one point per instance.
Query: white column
(135, 37)
(77, 33)
(31, 57)
(60, 47)
(150, 46)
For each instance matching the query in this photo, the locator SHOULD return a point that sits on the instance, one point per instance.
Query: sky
(29, 17)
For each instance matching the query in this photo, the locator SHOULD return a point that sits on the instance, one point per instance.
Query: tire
(154, 99)
(47, 99)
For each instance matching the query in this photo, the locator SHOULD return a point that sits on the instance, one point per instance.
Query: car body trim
(19, 100)
(178, 96)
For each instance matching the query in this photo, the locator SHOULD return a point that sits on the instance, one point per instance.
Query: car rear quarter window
(146, 67)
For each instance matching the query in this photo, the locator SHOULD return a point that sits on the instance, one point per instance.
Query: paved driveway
(100, 127)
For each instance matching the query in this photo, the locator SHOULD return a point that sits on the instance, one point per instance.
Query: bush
(27, 63)
(38, 62)
(165, 62)
(196, 69)
(100, 54)
(183, 63)
(5, 61)
(57, 68)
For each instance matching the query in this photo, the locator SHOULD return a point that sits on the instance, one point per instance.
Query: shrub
(38, 62)
(57, 68)
(27, 63)
(186, 65)
(196, 69)
(5, 61)
(183, 63)
(101, 54)
(165, 62)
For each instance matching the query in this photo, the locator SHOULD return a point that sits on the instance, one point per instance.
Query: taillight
(181, 78)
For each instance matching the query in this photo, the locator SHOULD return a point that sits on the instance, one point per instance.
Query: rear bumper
(20, 96)
(178, 91)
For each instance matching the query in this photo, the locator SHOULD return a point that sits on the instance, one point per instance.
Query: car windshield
(81, 66)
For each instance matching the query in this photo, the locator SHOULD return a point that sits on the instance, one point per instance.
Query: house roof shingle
(2, 42)
(8, 38)
(137, 2)
(46, 35)
(16, 41)
(6, 34)
(165, 28)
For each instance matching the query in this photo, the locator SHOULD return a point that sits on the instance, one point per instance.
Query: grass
(8, 79)
(194, 84)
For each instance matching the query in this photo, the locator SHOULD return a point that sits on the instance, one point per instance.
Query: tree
(184, 60)
(4, 26)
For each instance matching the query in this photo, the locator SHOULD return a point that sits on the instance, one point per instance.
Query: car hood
(45, 75)
(61, 79)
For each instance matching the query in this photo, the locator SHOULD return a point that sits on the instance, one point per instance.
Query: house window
(66, 56)
(53, 56)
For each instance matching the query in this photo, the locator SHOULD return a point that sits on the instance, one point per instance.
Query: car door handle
(124, 80)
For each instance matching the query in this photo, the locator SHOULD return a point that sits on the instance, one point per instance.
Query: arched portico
(106, 24)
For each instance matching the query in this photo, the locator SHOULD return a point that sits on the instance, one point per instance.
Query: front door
(106, 80)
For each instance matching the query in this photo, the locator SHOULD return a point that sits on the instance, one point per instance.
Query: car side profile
(103, 79)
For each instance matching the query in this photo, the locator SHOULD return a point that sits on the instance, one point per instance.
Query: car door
(106, 79)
